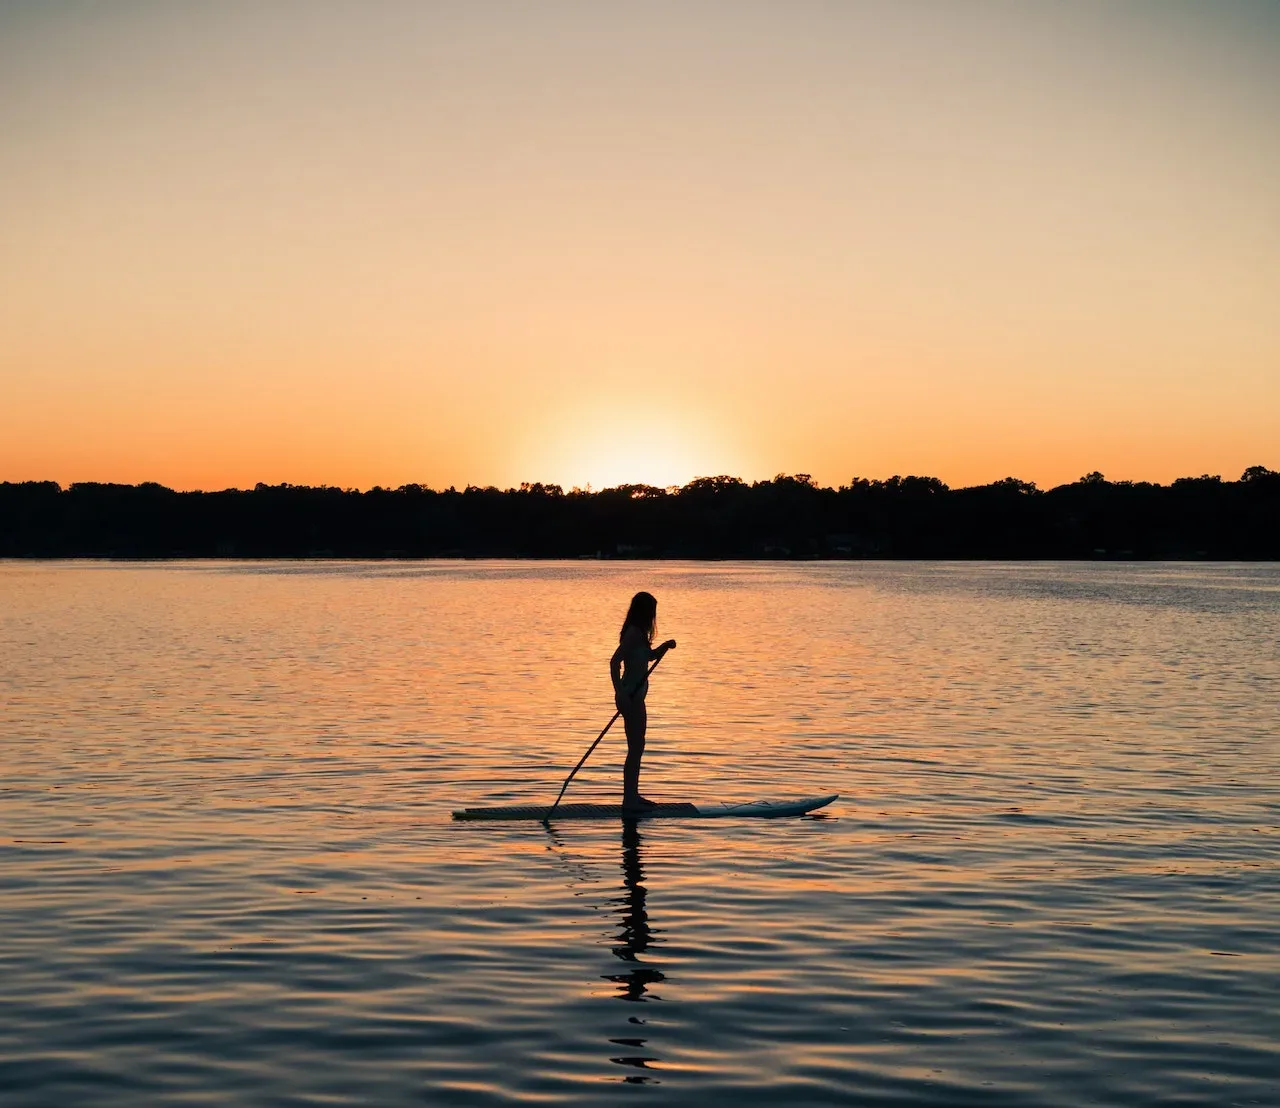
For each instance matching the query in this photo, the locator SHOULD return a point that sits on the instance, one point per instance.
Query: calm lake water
(229, 875)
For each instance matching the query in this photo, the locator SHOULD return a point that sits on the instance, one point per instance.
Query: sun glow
(602, 450)
(591, 244)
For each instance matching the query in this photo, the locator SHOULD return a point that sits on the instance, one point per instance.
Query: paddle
(592, 747)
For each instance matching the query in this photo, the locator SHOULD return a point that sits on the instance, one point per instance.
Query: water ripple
(227, 872)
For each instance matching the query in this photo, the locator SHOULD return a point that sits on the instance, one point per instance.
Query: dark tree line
(712, 517)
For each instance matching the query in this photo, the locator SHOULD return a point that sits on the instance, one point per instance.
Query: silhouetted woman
(629, 669)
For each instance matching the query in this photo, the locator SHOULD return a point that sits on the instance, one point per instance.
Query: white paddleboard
(766, 809)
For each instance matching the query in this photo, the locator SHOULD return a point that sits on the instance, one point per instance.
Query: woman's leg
(635, 722)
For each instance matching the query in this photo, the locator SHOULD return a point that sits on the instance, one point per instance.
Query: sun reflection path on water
(230, 873)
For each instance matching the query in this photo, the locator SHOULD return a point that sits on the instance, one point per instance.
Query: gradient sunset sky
(486, 243)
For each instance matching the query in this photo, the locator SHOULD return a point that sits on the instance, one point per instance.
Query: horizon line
(1094, 477)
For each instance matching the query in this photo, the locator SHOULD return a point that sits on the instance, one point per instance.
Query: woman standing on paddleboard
(629, 669)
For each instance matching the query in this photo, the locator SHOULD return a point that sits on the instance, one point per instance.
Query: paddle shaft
(583, 759)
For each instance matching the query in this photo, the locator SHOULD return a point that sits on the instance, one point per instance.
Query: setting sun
(602, 447)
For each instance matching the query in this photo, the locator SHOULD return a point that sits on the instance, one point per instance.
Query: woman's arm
(621, 698)
(615, 669)
(658, 651)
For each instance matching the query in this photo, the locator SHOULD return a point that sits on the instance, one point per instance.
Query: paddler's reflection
(633, 939)
(635, 934)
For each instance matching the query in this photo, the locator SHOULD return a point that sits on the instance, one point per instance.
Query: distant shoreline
(149, 559)
(789, 518)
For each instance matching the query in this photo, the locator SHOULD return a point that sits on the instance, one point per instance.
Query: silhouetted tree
(710, 517)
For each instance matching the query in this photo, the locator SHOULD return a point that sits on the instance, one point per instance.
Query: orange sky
(486, 243)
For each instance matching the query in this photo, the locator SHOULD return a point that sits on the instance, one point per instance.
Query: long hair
(642, 614)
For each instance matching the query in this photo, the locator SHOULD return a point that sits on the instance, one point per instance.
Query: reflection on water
(228, 873)
(633, 938)
(628, 941)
